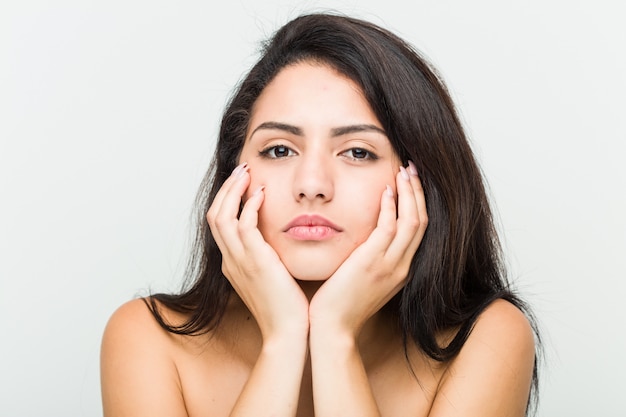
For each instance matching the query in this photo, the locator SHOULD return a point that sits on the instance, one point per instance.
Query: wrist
(287, 341)
(290, 328)
(332, 337)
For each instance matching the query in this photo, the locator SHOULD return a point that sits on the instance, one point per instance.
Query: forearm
(273, 387)
(340, 383)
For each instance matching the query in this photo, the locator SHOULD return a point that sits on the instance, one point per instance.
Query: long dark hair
(457, 271)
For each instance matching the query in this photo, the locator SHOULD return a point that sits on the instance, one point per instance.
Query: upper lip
(311, 220)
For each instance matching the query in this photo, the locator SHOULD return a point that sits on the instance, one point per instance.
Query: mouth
(312, 228)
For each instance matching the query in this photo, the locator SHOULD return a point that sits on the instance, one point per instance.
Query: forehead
(309, 93)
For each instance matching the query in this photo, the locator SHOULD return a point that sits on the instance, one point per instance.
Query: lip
(311, 227)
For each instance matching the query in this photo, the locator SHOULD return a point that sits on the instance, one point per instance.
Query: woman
(348, 264)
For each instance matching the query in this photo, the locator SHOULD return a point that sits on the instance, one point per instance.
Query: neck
(310, 287)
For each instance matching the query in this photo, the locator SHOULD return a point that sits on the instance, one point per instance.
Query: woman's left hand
(377, 269)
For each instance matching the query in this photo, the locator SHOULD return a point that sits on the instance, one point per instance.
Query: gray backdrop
(109, 110)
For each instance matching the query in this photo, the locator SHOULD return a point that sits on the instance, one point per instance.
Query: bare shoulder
(503, 325)
(492, 374)
(132, 326)
(133, 314)
(138, 372)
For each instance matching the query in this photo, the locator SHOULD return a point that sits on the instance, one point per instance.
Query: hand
(378, 268)
(251, 265)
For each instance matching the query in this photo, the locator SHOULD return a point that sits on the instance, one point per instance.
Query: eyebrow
(345, 130)
(294, 130)
(337, 131)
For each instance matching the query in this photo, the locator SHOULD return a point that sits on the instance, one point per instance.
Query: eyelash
(371, 156)
(266, 153)
(269, 153)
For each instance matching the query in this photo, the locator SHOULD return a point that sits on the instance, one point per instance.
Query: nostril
(305, 195)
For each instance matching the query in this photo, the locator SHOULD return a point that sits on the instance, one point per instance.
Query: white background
(109, 110)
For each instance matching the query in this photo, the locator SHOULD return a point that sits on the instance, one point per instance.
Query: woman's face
(324, 159)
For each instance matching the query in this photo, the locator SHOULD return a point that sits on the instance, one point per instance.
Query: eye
(276, 152)
(359, 154)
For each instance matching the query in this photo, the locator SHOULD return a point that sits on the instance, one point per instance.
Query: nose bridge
(313, 177)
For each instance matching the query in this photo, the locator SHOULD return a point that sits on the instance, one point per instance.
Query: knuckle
(226, 270)
(414, 222)
(242, 227)
(246, 222)
(221, 221)
(389, 230)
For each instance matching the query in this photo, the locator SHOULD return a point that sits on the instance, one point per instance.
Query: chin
(315, 270)
(312, 261)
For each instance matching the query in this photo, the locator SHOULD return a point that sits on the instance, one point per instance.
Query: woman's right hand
(251, 265)
(272, 295)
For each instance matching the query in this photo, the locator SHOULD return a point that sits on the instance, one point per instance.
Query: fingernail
(236, 170)
(243, 170)
(389, 191)
(412, 168)
(258, 190)
(240, 169)
(404, 174)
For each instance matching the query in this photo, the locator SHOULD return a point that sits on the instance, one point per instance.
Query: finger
(385, 230)
(223, 191)
(222, 215)
(226, 220)
(249, 220)
(409, 221)
(420, 200)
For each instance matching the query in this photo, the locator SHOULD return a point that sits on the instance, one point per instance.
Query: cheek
(365, 196)
(258, 178)
(275, 194)
(364, 209)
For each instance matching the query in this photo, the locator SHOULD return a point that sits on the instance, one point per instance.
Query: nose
(313, 179)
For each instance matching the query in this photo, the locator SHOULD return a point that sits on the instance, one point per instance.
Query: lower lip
(314, 233)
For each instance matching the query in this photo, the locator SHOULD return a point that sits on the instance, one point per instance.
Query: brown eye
(276, 152)
(360, 154)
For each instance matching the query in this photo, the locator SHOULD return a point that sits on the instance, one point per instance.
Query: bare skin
(318, 344)
(147, 371)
